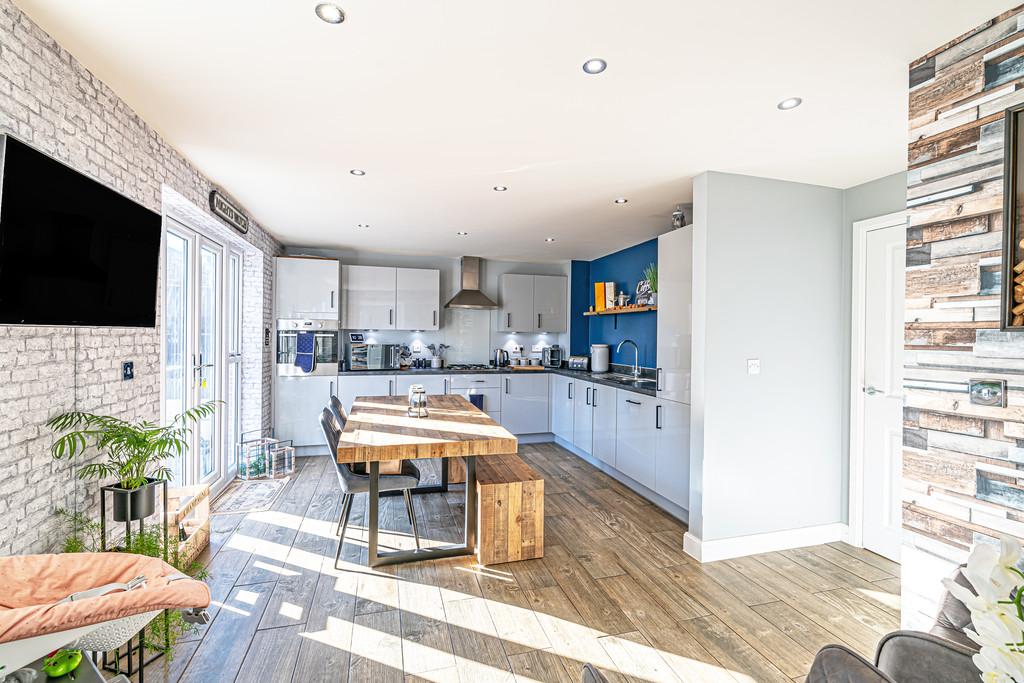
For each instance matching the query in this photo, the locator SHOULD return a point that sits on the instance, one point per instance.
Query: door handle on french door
(872, 391)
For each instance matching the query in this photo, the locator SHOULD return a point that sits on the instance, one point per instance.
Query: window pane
(235, 304)
(233, 412)
(208, 298)
(176, 378)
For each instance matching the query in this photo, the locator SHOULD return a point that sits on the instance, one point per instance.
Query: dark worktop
(602, 378)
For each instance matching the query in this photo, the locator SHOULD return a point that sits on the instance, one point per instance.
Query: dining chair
(353, 483)
(339, 412)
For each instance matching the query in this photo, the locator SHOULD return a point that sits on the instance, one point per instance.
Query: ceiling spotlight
(363, 225)
(500, 188)
(356, 171)
(461, 234)
(594, 66)
(330, 13)
(790, 103)
(549, 239)
(621, 200)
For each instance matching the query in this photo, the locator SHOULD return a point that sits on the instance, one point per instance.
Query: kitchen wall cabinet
(603, 402)
(549, 303)
(636, 437)
(306, 288)
(432, 384)
(672, 452)
(583, 417)
(675, 324)
(369, 294)
(525, 403)
(562, 405)
(351, 386)
(417, 299)
(297, 405)
(532, 303)
(516, 312)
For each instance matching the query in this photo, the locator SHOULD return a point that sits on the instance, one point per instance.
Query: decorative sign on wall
(232, 215)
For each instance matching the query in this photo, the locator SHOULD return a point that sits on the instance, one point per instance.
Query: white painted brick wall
(51, 101)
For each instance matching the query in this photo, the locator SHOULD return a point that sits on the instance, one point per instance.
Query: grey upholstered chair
(352, 482)
(339, 412)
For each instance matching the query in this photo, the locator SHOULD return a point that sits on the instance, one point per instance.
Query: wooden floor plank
(854, 565)
(274, 653)
(885, 564)
(542, 666)
(475, 642)
(377, 648)
(586, 595)
(734, 652)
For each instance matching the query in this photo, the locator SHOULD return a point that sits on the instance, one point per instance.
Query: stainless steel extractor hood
(470, 295)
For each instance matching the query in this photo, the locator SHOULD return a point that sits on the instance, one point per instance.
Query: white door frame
(856, 472)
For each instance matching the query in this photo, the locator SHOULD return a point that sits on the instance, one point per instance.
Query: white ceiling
(440, 101)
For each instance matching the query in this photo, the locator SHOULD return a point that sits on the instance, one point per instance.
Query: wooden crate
(189, 507)
(510, 505)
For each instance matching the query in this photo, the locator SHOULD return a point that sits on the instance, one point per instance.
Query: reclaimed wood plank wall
(963, 464)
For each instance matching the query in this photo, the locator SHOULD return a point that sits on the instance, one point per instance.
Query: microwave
(374, 356)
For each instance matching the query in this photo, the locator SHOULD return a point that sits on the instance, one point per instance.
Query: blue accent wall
(625, 268)
(579, 330)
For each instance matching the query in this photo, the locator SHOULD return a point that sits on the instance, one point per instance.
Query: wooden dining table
(380, 429)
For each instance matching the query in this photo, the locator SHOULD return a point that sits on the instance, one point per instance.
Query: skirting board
(741, 546)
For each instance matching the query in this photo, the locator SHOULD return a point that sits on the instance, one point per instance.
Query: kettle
(500, 358)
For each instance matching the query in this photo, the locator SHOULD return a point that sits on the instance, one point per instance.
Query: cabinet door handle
(332, 298)
(506, 385)
(658, 383)
(636, 403)
(446, 385)
(593, 399)
(435, 317)
(539, 325)
(479, 381)
(391, 316)
(570, 391)
(508, 320)
(588, 395)
(331, 393)
(657, 417)
(391, 387)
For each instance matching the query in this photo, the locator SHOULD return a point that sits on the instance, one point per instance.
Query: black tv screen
(72, 251)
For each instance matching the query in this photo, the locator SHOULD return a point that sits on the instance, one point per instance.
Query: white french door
(201, 341)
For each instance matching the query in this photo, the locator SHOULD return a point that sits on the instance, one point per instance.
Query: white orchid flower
(996, 628)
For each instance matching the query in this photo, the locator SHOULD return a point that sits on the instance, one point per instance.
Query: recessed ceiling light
(356, 171)
(462, 234)
(549, 239)
(790, 103)
(363, 225)
(500, 188)
(621, 200)
(330, 13)
(594, 66)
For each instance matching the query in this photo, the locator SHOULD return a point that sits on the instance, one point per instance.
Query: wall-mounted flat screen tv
(72, 251)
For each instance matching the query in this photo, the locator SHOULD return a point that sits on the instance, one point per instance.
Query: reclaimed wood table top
(380, 429)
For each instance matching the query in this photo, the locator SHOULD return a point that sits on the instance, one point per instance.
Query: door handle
(332, 298)
(588, 395)
(391, 387)
(446, 385)
(570, 391)
(506, 385)
(636, 403)
(508, 320)
(657, 417)
(435, 317)
(538, 321)
(331, 393)
(391, 316)
(871, 391)
(657, 384)
(593, 399)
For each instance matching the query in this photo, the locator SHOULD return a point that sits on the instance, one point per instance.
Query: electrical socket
(127, 370)
(538, 348)
(753, 366)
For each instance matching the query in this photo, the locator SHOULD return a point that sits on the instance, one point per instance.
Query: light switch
(417, 346)
(537, 348)
(753, 366)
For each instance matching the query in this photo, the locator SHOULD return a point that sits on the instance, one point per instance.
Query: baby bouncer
(88, 601)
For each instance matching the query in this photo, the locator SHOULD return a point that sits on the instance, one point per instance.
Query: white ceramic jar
(599, 355)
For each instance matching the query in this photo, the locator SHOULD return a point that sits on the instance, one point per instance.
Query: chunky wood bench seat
(510, 523)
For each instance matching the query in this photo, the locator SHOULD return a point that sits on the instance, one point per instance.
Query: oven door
(326, 347)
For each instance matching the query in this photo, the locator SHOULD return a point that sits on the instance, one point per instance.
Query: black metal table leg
(374, 505)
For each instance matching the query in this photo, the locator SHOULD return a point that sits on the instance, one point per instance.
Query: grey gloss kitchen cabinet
(525, 403)
(562, 405)
(532, 303)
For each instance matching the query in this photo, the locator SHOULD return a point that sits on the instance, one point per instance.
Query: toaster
(579, 362)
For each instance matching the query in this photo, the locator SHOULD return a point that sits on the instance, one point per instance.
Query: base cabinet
(364, 385)
(583, 417)
(297, 405)
(525, 403)
(433, 384)
(636, 438)
(672, 452)
(562, 405)
(602, 400)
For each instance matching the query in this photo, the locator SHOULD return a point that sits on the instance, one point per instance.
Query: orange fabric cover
(31, 585)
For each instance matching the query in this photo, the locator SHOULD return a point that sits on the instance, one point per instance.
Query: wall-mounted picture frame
(1012, 285)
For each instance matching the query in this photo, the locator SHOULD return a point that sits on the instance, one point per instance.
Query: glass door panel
(208, 370)
(177, 330)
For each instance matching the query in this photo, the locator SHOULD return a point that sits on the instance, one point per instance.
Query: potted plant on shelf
(651, 274)
(135, 451)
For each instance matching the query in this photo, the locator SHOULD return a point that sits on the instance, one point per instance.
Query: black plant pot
(143, 501)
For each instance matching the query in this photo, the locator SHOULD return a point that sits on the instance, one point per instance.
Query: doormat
(248, 496)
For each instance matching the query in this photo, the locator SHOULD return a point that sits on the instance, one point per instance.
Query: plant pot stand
(135, 654)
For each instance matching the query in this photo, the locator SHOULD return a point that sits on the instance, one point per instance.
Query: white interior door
(878, 391)
(195, 292)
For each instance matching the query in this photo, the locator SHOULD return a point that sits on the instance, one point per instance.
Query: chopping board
(535, 368)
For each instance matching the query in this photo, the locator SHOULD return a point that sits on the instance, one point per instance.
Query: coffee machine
(553, 356)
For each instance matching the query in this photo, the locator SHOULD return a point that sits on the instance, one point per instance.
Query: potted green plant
(651, 274)
(135, 451)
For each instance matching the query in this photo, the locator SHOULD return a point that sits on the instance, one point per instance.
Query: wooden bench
(510, 502)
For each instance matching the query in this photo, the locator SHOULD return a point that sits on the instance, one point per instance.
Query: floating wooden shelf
(619, 311)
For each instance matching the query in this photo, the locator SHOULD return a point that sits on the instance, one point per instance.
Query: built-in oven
(326, 338)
